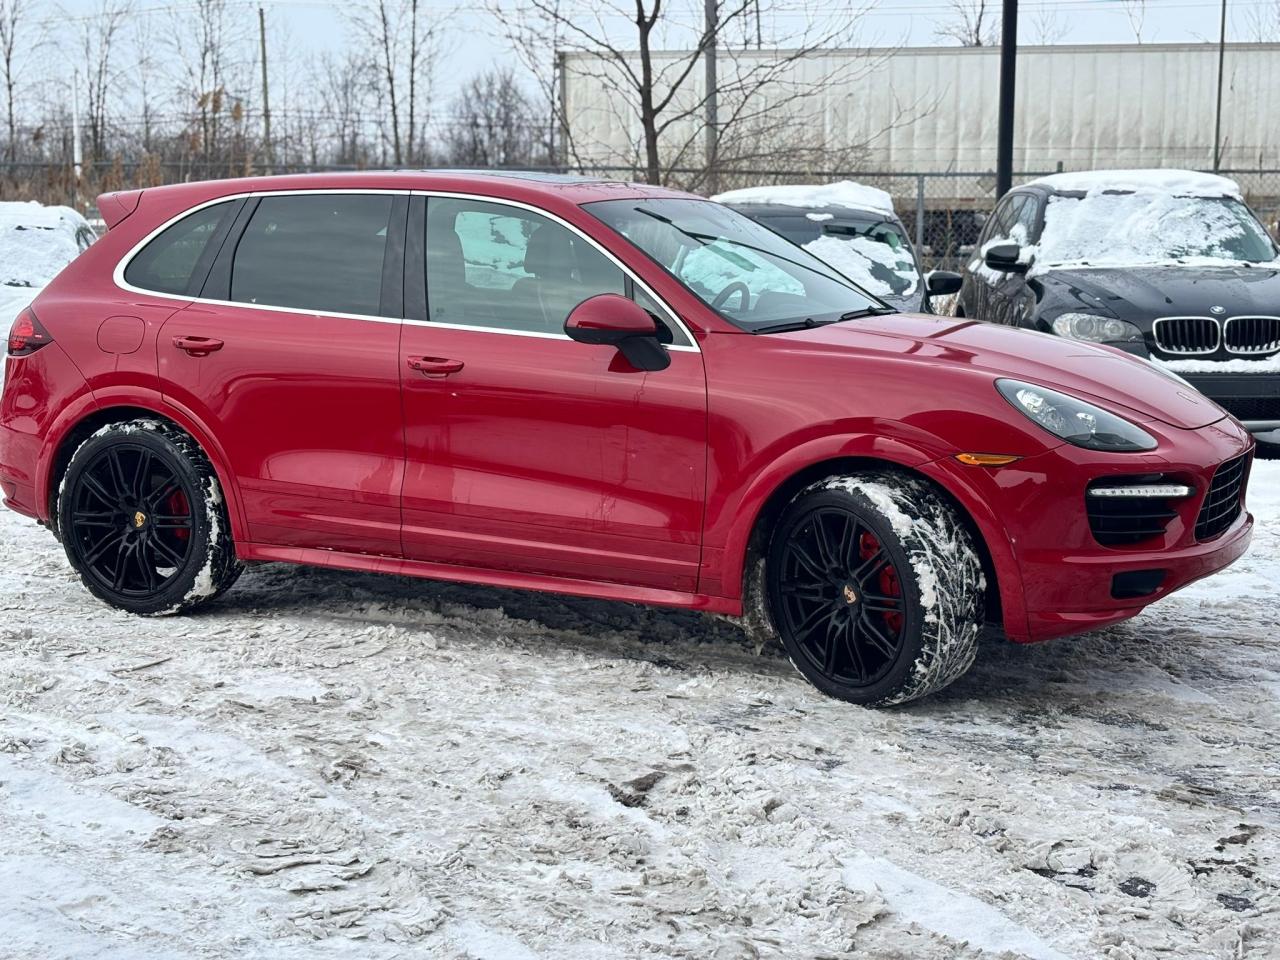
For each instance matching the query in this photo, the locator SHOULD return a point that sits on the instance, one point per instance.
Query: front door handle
(436, 365)
(197, 346)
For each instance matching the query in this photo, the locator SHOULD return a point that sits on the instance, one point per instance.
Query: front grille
(1188, 336)
(1251, 335)
(1124, 521)
(1250, 408)
(1222, 504)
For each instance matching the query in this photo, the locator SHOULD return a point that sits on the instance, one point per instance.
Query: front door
(297, 376)
(526, 450)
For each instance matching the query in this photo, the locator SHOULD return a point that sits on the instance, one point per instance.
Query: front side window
(167, 263)
(1101, 229)
(746, 272)
(314, 252)
(493, 265)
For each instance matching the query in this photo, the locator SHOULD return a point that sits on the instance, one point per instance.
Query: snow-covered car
(35, 243)
(853, 228)
(1169, 265)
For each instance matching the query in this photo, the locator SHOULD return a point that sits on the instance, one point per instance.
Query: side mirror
(610, 318)
(942, 283)
(1004, 257)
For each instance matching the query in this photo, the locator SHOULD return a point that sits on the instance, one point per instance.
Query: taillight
(27, 335)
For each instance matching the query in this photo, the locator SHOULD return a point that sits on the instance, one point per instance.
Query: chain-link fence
(943, 212)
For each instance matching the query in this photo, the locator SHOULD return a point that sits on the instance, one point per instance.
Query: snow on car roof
(843, 193)
(36, 242)
(1185, 183)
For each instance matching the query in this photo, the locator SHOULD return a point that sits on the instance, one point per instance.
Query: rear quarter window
(167, 264)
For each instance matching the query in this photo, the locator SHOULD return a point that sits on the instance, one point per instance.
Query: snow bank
(843, 193)
(1182, 183)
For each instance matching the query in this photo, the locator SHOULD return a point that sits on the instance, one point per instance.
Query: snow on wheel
(143, 520)
(872, 584)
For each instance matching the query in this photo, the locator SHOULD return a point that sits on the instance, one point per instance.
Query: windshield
(1150, 227)
(747, 273)
(872, 252)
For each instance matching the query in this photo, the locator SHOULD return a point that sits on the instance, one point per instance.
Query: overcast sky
(471, 44)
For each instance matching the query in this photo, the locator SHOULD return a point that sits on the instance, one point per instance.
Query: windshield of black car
(747, 273)
(1101, 228)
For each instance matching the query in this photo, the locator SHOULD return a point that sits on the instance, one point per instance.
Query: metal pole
(919, 215)
(76, 156)
(1008, 61)
(711, 27)
(1217, 113)
(266, 98)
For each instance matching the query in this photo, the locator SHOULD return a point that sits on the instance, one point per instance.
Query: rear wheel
(143, 519)
(872, 584)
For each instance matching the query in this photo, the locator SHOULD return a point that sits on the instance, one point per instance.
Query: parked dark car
(1169, 265)
(852, 228)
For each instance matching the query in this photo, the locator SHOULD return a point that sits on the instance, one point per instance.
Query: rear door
(290, 356)
(526, 450)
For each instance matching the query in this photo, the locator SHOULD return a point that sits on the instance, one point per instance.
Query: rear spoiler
(115, 206)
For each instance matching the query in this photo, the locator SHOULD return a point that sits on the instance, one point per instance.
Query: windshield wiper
(867, 312)
(808, 323)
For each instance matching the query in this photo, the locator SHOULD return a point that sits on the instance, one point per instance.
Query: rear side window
(314, 252)
(167, 263)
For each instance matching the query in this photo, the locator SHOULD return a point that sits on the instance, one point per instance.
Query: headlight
(1074, 420)
(1088, 326)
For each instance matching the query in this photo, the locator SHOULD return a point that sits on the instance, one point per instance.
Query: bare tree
(1047, 26)
(493, 124)
(650, 72)
(345, 93)
(401, 40)
(972, 23)
(1135, 11)
(94, 47)
(211, 61)
(537, 40)
(1262, 22)
(15, 47)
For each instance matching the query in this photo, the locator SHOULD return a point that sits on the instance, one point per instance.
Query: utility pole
(711, 27)
(1217, 113)
(268, 150)
(1004, 134)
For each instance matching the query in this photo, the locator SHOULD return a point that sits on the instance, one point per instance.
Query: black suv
(1169, 265)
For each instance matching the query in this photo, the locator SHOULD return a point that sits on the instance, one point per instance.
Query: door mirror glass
(1005, 257)
(612, 319)
(942, 283)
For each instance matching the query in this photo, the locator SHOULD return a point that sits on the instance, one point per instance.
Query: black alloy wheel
(840, 598)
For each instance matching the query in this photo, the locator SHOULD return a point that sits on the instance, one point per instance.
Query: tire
(872, 584)
(143, 520)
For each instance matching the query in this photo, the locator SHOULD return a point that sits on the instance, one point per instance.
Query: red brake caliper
(868, 547)
(178, 507)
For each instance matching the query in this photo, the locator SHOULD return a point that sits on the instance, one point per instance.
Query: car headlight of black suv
(1075, 421)
(1095, 328)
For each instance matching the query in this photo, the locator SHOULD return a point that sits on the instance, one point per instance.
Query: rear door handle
(437, 365)
(197, 346)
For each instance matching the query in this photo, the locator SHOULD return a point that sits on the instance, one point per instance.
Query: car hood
(1084, 370)
(1146, 292)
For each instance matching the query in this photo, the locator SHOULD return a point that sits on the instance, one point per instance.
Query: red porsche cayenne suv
(602, 389)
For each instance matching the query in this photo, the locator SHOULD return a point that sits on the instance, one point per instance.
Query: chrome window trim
(117, 275)
(1155, 333)
(1226, 324)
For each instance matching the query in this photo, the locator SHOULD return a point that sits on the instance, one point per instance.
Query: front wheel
(143, 520)
(874, 587)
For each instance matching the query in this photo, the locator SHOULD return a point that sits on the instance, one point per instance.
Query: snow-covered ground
(337, 765)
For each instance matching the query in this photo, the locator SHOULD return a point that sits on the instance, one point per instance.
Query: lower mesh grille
(1222, 504)
(1250, 408)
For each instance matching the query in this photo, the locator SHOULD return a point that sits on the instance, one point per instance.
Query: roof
(842, 193)
(1186, 183)
(532, 186)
